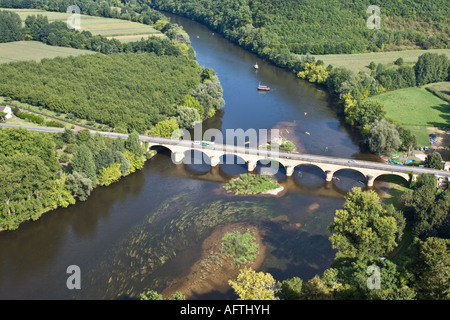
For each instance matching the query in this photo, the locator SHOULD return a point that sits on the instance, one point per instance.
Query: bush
(241, 247)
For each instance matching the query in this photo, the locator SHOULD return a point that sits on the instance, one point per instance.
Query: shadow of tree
(444, 110)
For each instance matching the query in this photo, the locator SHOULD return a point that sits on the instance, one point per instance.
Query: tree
(383, 137)
(363, 228)
(365, 112)
(434, 160)
(336, 77)
(109, 174)
(79, 185)
(133, 144)
(315, 289)
(431, 269)
(83, 162)
(187, 117)
(251, 285)
(164, 128)
(431, 67)
(314, 73)
(290, 289)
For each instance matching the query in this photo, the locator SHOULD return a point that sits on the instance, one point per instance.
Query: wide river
(148, 228)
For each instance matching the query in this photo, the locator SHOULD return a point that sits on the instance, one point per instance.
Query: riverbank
(212, 271)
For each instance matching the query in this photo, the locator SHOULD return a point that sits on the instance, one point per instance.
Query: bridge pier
(251, 165)
(214, 161)
(289, 171)
(370, 180)
(329, 175)
(177, 157)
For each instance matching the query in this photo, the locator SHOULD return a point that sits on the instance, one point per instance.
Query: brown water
(147, 228)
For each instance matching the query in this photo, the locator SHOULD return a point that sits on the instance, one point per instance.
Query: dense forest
(40, 172)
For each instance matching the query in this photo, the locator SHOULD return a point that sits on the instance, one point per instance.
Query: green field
(416, 109)
(360, 62)
(440, 89)
(124, 30)
(34, 50)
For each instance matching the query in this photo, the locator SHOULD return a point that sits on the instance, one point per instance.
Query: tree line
(35, 177)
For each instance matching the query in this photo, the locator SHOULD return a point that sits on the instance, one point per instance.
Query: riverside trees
(32, 181)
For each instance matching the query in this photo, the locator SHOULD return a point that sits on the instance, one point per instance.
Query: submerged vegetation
(250, 184)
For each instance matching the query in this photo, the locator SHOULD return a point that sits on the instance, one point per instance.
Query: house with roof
(7, 110)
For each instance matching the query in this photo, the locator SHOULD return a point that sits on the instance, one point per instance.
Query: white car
(352, 161)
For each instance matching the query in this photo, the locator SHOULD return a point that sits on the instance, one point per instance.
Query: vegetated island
(229, 248)
(251, 184)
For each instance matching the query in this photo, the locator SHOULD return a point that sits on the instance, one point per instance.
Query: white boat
(256, 66)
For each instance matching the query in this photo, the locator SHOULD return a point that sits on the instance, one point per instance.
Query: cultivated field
(360, 62)
(122, 29)
(416, 109)
(34, 50)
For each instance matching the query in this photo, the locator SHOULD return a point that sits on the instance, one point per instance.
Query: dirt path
(212, 271)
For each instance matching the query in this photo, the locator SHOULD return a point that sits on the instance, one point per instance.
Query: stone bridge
(215, 154)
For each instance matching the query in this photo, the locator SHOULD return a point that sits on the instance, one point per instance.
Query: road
(266, 153)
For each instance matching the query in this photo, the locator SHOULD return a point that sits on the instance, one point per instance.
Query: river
(147, 229)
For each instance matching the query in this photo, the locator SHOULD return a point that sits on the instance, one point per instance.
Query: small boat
(263, 88)
(256, 66)
(307, 133)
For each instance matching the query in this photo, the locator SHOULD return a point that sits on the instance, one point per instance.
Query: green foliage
(314, 73)
(431, 67)
(430, 268)
(136, 163)
(384, 137)
(434, 160)
(109, 174)
(290, 289)
(248, 184)
(10, 26)
(133, 144)
(165, 128)
(251, 285)
(242, 247)
(364, 112)
(363, 228)
(79, 185)
(83, 162)
(14, 141)
(154, 295)
(429, 208)
(120, 92)
(190, 102)
(187, 117)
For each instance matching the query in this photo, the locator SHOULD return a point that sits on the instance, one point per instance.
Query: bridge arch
(233, 165)
(394, 175)
(309, 175)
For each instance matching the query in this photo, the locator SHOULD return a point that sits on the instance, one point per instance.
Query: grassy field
(416, 109)
(33, 50)
(440, 89)
(360, 62)
(122, 29)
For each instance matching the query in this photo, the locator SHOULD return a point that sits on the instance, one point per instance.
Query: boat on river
(256, 66)
(263, 88)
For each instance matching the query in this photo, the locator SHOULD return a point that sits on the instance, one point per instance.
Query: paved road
(274, 155)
